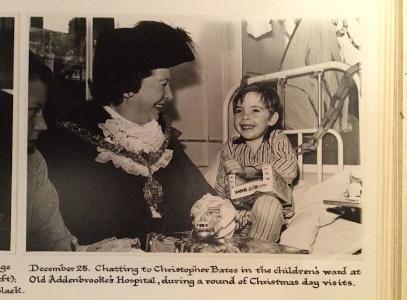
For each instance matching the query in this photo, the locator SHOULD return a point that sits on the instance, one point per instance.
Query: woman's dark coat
(99, 201)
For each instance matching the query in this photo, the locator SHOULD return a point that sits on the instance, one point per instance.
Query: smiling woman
(146, 104)
(117, 166)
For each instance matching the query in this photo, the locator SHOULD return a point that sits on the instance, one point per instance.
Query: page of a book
(129, 130)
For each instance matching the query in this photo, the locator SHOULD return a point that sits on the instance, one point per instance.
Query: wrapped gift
(213, 217)
(271, 183)
(184, 243)
(177, 243)
(112, 245)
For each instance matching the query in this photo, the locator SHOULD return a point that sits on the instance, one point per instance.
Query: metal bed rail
(316, 69)
(300, 136)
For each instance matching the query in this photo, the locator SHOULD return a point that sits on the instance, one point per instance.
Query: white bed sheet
(315, 229)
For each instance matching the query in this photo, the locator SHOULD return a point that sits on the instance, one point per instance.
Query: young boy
(256, 110)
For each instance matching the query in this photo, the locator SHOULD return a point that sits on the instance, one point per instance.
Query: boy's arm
(284, 158)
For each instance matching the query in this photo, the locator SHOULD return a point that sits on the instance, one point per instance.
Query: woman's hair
(267, 92)
(125, 56)
(38, 70)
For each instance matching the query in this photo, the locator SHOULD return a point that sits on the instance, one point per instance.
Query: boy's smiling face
(252, 117)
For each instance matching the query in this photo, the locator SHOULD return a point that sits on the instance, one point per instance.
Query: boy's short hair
(267, 92)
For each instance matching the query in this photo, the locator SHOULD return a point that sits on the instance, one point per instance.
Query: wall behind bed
(225, 48)
(271, 45)
(67, 42)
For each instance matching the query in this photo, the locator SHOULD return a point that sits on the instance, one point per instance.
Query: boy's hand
(232, 166)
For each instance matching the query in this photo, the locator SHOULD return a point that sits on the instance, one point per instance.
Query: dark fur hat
(125, 56)
(38, 70)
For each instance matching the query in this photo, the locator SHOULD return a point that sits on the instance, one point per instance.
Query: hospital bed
(313, 227)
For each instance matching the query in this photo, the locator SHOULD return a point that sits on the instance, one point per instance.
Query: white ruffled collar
(146, 138)
(134, 137)
(115, 115)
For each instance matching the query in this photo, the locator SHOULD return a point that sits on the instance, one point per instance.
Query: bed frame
(317, 70)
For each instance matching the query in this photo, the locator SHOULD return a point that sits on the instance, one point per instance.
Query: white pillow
(310, 212)
(331, 188)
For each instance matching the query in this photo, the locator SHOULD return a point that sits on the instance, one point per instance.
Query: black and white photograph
(202, 149)
(191, 134)
(6, 128)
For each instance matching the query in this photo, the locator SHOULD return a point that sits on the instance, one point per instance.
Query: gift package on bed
(271, 183)
(177, 243)
(182, 242)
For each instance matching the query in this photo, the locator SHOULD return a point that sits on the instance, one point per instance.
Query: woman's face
(154, 94)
